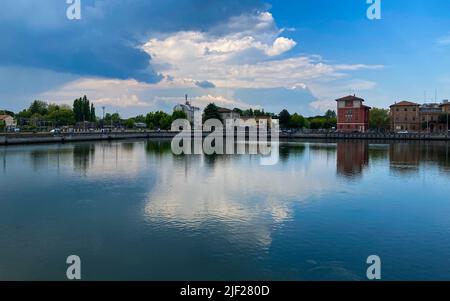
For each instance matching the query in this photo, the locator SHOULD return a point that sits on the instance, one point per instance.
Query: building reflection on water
(141, 192)
(352, 158)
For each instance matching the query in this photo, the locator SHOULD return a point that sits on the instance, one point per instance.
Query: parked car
(55, 131)
(403, 132)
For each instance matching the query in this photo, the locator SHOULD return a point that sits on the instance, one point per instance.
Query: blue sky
(135, 56)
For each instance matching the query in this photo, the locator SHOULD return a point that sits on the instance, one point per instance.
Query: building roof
(350, 97)
(224, 110)
(3, 117)
(405, 104)
(256, 117)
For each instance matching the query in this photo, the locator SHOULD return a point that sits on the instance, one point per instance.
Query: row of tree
(297, 121)
(83, 110)
(42, 113)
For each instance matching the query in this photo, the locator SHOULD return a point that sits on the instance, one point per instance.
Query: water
(133, 211)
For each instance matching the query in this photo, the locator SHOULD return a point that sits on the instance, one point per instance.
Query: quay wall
(30, 138)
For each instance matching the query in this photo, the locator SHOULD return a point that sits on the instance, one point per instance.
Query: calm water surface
(134, 211)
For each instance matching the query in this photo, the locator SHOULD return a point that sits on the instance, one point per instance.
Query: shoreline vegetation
(42, 116)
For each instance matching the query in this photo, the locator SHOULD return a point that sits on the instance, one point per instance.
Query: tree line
(41, 113)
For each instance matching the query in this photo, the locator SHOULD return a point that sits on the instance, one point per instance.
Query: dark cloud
(105, 42)
(205, 84)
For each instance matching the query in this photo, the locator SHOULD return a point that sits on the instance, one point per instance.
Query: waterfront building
(268, 119)
(227, 114)
(8, 120)
(188, 109)
(430, 117)
(445, 106)
(405, 116)
(352, 115)
(352, 158)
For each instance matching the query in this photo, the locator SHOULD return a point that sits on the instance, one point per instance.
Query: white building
(8, 120)
(229, 115)
(188, 109)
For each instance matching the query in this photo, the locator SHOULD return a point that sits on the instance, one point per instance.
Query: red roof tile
(350, 97)
(405, 104)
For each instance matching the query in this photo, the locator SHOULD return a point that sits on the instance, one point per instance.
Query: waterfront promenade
(32, 138)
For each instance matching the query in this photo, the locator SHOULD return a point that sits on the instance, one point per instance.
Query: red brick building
(352, 114)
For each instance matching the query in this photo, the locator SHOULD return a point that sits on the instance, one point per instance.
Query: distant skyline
(136, 56)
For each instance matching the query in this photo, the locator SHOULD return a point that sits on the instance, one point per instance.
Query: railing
(25, 138)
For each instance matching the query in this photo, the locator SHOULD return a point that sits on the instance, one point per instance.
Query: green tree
(317, 123)
(2, 125)
(150, 120)
(322, 122)
(139, 118)
(92, 116)
(129, 123)
(24, 114)
(179, 115)
(379, 119)
(248, 113)
(297, 121)
(166, 122)
(330, 114)
(38, 107)
(158, 120)
(6, 112)
(83, 110)
(211, 112)
(61, 115)
(284, 117)
(239, 111)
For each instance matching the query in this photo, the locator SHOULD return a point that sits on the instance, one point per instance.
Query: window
(406, 109)
(349, 115)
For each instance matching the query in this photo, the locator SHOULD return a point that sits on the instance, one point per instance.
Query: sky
(137, 56)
